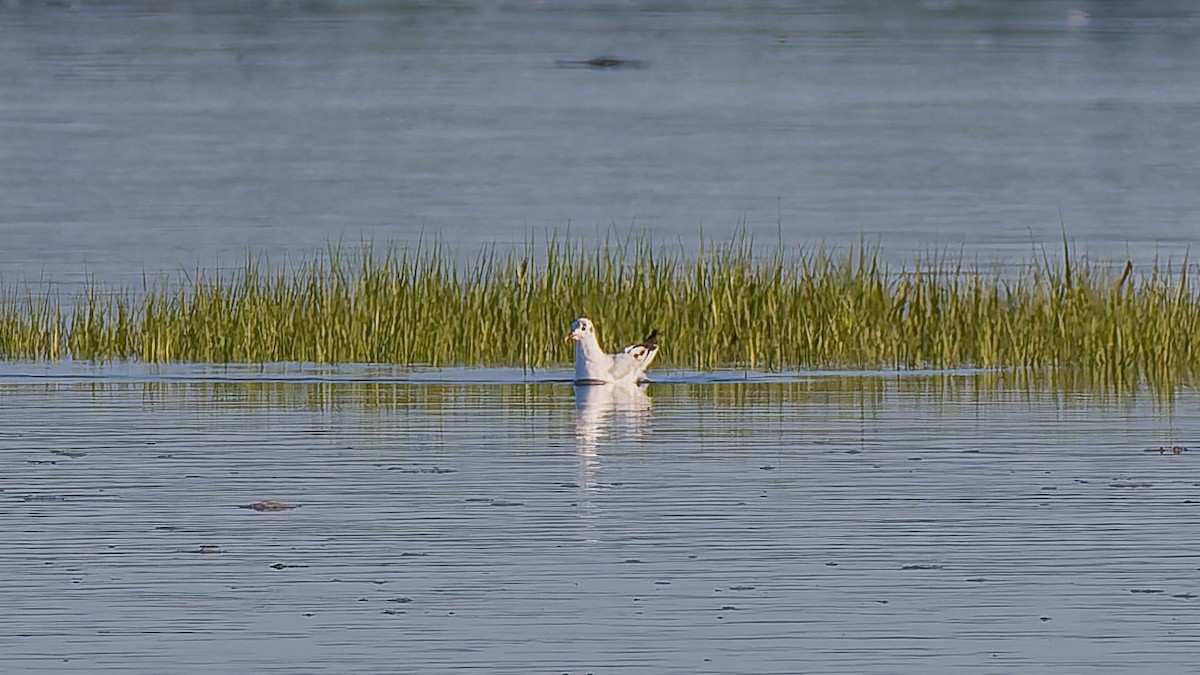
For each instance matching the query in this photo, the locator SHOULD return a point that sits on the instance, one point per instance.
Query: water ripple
(776, 527)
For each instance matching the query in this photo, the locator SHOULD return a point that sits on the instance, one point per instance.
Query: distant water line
(730, 304)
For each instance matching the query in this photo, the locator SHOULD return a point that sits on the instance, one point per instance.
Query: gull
(593, 366)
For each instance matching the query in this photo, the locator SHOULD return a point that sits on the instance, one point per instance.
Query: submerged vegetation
(731, 305)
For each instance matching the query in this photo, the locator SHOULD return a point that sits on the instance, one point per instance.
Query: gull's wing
(645, 351)
(624, 366)
(634, 358)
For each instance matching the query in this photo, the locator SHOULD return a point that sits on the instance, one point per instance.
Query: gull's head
(580, 328)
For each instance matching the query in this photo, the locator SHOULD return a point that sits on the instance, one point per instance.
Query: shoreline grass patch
(727, 305)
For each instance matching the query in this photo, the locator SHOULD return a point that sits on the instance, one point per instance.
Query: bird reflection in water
(602, 410)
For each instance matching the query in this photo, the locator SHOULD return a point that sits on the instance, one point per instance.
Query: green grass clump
(31, 326)
(732, 305)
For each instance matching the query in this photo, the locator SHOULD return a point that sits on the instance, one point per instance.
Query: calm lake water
(462, 521)
(156, 135)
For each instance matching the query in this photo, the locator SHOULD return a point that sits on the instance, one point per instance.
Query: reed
(727, 305)
(32, 325)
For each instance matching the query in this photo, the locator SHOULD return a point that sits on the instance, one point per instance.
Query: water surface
(164, 135)
(880, 523)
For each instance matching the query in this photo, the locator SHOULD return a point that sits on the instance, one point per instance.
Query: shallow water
(879, 523)
(168, 135)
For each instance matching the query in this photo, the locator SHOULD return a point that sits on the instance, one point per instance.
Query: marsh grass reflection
(871, 390)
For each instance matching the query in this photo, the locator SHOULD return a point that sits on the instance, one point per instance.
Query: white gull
(593, 366)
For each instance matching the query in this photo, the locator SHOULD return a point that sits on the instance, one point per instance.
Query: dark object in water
(209, 549)
(435, 469)
(269, 505)
(599, 62)
(1175, 450)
